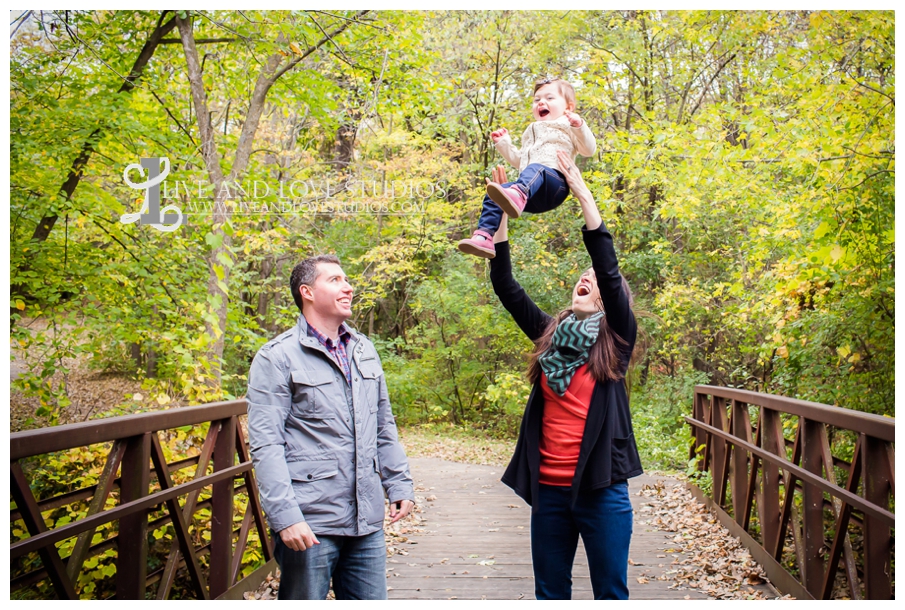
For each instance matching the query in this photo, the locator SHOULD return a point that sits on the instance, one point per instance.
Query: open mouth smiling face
(549, 103)
(585, 296)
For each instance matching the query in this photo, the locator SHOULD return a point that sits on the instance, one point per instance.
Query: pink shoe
(478, 246)
(510, 198)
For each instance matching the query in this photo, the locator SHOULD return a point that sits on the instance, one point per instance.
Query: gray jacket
(320, 447)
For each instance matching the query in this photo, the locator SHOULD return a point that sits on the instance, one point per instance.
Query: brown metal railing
(137, 453)
(782, 492)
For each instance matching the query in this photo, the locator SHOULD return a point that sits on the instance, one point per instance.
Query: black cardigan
(608, 452)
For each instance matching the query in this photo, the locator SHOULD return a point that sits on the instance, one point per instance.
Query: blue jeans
(357, 565)
(603, 519)
(546, 189)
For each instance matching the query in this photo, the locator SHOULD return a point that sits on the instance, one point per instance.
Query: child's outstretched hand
(574, 119)
(499, 133)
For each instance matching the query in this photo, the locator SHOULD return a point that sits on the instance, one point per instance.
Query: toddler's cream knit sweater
(543, 138)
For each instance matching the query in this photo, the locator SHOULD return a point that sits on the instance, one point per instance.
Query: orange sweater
(563, 427)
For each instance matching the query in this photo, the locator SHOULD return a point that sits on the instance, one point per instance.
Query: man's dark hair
(306, 273)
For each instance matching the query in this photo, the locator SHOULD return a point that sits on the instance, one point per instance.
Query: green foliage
(745, 165)
(445, 370)
(750, 187)
(658, 411)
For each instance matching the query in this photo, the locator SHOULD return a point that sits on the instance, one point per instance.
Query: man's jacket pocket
(311, 394)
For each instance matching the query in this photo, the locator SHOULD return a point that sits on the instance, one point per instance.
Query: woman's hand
(579, 190)
(573, 175)
(498, 174)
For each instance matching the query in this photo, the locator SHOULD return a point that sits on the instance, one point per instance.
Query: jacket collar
(309, 341)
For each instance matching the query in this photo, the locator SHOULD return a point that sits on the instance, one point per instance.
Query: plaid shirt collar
(336, 350)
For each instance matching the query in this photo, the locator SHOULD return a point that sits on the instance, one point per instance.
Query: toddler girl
(540, 186)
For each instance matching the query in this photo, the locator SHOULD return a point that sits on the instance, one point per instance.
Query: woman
(576, 448)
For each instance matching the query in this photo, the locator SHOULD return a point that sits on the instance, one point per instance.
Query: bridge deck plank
(476, 520)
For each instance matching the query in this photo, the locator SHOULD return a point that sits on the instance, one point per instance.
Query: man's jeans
(357, 565)
(603, 519)
(546, 189)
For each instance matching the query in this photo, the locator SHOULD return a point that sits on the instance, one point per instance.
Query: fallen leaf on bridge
(714, 562)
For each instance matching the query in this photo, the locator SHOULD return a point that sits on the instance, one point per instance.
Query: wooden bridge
(177, 501)
(475, 542)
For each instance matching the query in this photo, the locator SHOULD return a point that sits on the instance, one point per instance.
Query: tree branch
(866, 86)
(199, 98)
(619, 59)
(710, 82)
(198, 40)
(866, 178)
(267, 77)
(175, 119)
(338, 48)
(45, 226)
(317, 45)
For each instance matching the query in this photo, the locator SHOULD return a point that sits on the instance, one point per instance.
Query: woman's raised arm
(529, 317)
(599, 243)
(580, 191)
(502, 234)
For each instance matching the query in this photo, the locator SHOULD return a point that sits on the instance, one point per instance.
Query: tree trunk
(344, 145)
(267, 266)
(220, 260)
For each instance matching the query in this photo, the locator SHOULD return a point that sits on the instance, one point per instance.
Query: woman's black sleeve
(599, 243)
(529, 317)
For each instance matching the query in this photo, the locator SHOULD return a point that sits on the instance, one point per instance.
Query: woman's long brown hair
(603, 359)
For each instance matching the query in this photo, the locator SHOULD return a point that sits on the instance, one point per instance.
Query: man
(323, 438)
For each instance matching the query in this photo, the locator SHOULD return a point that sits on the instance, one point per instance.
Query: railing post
(132, 542)
(222, 510)
(706, 410)
(720, 449)
(769, 510)
(741, 428)
(812, 517)
(700, 437)
(877, 539)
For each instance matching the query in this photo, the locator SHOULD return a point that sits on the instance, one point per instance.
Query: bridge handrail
(760, 471)
(29, 443)
(877, 426)
(137, 450)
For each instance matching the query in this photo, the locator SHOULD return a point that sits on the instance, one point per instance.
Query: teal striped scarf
(572, 341)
